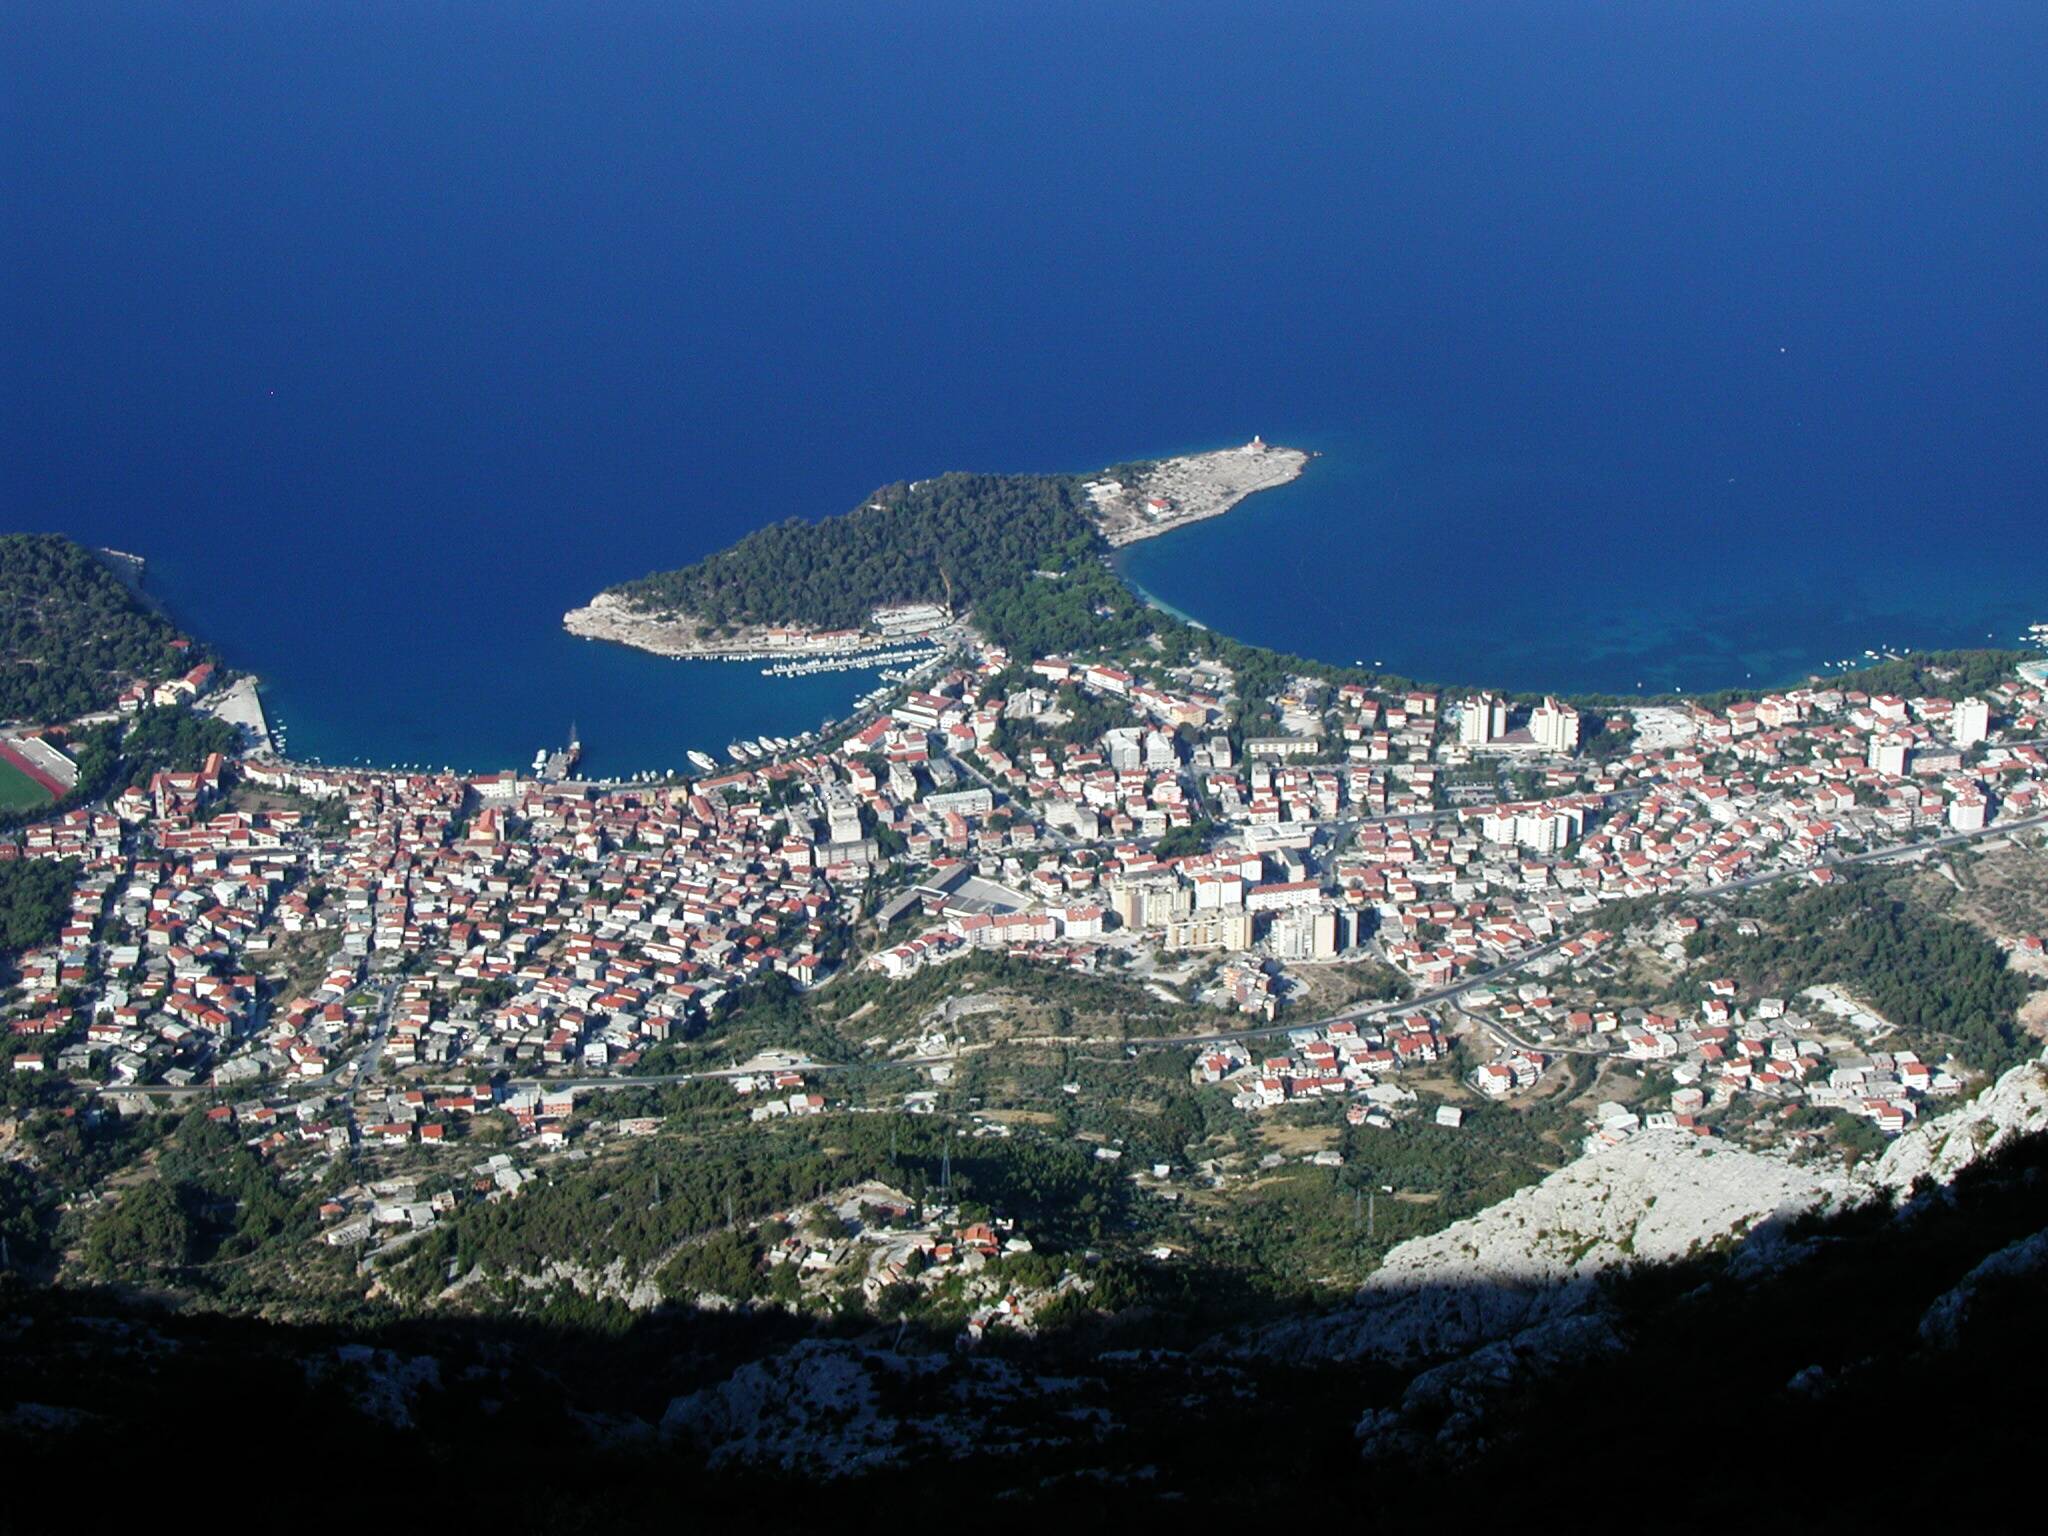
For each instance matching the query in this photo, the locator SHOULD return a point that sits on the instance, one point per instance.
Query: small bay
(1686, 347)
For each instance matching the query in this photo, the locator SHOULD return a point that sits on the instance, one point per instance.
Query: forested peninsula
(1023, 555)
(1026, 560)
(71, 632)
(952, 540)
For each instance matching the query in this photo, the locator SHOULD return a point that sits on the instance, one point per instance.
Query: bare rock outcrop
(1535, 1258)
(831, 1408)
(2014, 1106)
(1944, 1323)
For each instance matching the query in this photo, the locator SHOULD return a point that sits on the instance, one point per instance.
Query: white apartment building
(1483, 720)
(1972, 722)
(1555, 726)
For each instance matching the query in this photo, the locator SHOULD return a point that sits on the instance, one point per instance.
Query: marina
(1409, 537)
(849, 662)
(560, 763)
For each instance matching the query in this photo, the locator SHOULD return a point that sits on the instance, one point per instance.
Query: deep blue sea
(1666, 345)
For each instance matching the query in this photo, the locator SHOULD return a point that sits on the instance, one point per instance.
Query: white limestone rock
(2016, 1105)
(830, 1408)
(1447, 1407)
(1943, 1323)
(1534, 1258)
(816, 1408)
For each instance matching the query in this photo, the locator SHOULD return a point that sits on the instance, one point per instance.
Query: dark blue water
(1663, 348)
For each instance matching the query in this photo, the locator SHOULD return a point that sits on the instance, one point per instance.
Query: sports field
(19, 792)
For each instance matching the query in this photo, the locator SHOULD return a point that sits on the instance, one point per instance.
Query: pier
(242, 705)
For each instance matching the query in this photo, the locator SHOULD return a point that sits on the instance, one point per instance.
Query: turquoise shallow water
(1456, 582)
(1680, 346)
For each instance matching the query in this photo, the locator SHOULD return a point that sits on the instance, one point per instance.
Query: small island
(1023, 552)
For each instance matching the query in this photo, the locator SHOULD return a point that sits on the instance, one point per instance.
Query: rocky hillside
(1661, 1197)
(1689, 1289)
(1523, 1291)
(2013, 1107)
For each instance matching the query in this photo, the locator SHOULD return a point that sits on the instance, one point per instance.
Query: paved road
(1507, 1037)
(1451, 994)
(366, 1064)
(1440, 996)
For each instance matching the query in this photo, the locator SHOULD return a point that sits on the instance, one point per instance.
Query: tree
(1182, 841)
(71, 632)
(953, 539)
(173, 740)
(150, 1229)
(35, 895)
(24, 1215)
(1942, 982)
(723, 1264)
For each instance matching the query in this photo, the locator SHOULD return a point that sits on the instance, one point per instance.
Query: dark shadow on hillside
(1818, 1367)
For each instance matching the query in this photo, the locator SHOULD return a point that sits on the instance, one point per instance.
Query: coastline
(1169, 495)
(1154, 601)
(1195, 487)
(608, 616)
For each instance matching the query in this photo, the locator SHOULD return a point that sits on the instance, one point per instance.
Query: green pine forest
(955, 539)
(1023, 553)
(71, 633)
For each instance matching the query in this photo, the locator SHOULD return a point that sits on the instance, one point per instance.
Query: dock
(240, 704)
